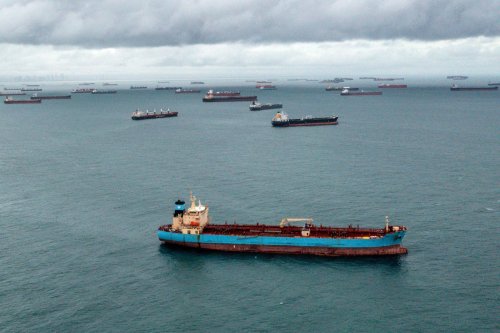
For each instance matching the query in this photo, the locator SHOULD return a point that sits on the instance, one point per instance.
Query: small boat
(281, 119)
(82, 91)
(192, 227)
(97, 91)
(9, 100)
(36, 96)
(256, 106)
(348, 92)
(187, 91)
(211, 97)
(457, 88)
(141, 115)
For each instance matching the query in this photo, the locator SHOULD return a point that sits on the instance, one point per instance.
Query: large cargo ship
(457, 88)
(226, 93)
(82, 91)
(281, 119)
(330, 88)
(211, 97)
(141, 115)
(265, 87)
(348, 92)
(256, 106)
(103, 91)
(9, 100)
(12, 94)
(192, 228)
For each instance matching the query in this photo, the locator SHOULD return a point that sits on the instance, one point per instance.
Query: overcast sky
(240, 37)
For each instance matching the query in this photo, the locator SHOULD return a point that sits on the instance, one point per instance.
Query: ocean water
(83, 189)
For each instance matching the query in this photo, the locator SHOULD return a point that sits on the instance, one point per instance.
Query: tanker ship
(281, 119)
(213, 97)
(192, 228)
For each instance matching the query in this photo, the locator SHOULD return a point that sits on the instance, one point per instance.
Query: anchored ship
(98, 91)
(82, 91)
(141, 115)
(36, 96)
(265, 87)
(392, 85)
(330, 88)
(211, 97)
(281, 119)
(226, 93)
(457, 88)
(31, 89)
(9, 100)
(256, 106)
(192, 228)
(187, 91)
(348, 92)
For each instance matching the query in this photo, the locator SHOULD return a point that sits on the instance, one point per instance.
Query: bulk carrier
(192, 228)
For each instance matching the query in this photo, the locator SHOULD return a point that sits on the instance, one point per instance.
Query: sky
(242, 38)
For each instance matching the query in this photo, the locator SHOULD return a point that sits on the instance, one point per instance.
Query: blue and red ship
(191, 228)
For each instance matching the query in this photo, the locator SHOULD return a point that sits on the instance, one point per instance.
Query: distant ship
(36, 96)
(192, 227)
(138, 87)
(97, 91)
(256, 106)
(457, 88)
(210, 97)
(197, 82)
(388, 78)
(142, 115)
(12, 94)
(226, 93)
(494, 84)
(31, 89)
(86, 83)
(392, 86)
(457, 77)
(348, 92)
(9, 100)
(167, 88)
(187, 91)
(281, 119)
(82, 91)
(109, 84)
(330, 88)
(12, 88)
(265, 87)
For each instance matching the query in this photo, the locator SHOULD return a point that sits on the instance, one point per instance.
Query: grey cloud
(116, 23)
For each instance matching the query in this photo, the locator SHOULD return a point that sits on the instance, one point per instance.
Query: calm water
(83, 189)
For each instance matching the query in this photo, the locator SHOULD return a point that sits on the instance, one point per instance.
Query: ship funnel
(180, 208)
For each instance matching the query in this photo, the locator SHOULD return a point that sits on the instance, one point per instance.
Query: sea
(83, 189)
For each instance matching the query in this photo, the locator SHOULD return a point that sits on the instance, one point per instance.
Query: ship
(9, 100)
(36, 96)
(141, 115)
(281, 119)
(138, 87)
(6, 88)
(187, 91)
(265, 87)
(31, 89)
(109, 84)
(82, 91)
(388, 78)
(494, 84)
(348, 92)
(211, 97)
(457, 88)
(98, 91)
(330, 88)
(226, 93)
(256, 106)
(168, 88)
(12, 94)
(392, 85)
(197, 82)
(192, 228)
(457, 77)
